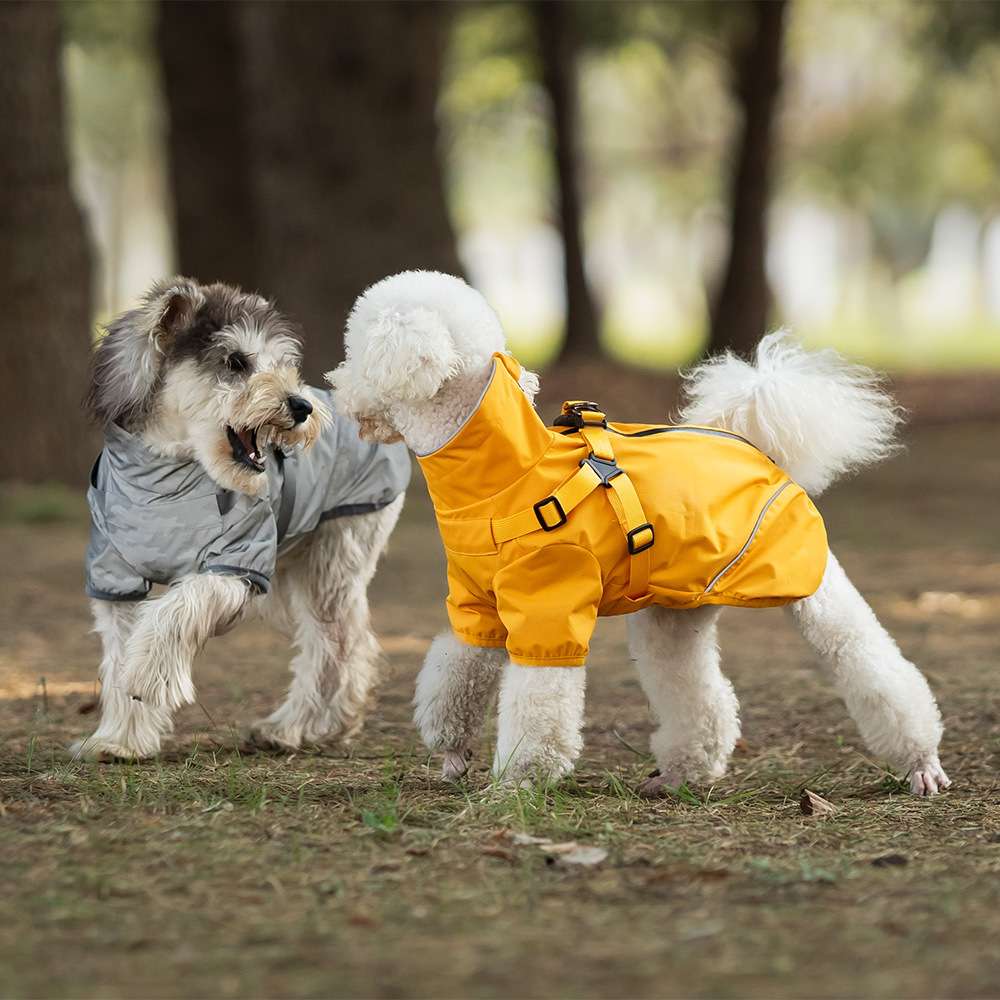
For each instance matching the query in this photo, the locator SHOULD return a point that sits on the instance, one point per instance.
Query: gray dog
(227, 479)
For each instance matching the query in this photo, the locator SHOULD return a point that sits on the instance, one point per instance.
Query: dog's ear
(128, 359)
(176, 309)
(400, 355)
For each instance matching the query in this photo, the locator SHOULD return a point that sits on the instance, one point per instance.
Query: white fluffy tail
(815, 414)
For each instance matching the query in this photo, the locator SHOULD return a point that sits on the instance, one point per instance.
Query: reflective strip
(678, 429)
(753, 534)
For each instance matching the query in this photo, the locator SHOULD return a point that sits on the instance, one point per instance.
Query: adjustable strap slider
(542, 506)
(639, 539)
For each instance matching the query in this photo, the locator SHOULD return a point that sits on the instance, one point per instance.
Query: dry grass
(209, 872)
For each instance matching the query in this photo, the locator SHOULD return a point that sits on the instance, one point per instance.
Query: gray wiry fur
(166, 372)
(140, 343)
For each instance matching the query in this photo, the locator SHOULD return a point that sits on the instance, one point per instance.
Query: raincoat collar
(134, 465)
(502, 440)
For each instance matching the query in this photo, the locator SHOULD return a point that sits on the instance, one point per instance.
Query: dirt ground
(358, 873)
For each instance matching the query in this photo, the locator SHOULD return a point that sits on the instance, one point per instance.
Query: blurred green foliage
(887, 125)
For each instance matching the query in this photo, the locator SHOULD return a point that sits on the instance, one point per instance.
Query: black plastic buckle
(540, 506)
(630, 537)
(606, 468)
(573, 417)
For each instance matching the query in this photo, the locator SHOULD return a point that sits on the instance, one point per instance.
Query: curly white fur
(677, 656)
(539, 723)
(816, 415)
(418, 351)
(453, 691)
(887, 696)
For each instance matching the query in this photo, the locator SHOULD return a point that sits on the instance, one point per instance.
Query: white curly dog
(419, 349)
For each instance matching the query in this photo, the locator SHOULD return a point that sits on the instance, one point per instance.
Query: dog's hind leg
(677, 656)
(326, 597)
(127, 728)
(454, 688)
(887, 696)
(539, 723)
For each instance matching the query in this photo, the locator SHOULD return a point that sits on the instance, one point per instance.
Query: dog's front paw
(527, 770)
(660, 784)
(272, 736)
(455, 764)
(103, 751)
(928, 777)
(686, 767)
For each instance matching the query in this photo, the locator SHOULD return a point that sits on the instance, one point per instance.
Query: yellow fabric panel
(472, 610)
(730, 527)
(547, 598)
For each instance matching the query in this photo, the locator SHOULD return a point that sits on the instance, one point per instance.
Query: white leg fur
(127, 728)
(324, 592)
(677, 656)
(887, 696)
(454, 688)
(539, 722)
(171, 630)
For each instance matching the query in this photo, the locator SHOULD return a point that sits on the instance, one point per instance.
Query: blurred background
(636, 181)
(632, 185)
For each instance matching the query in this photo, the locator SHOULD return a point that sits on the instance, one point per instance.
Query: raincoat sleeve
(471, 610)
(548, 600)
(247, 548)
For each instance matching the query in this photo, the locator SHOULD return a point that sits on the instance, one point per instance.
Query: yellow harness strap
(599, 469)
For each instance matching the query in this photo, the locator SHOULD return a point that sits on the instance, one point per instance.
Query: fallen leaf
(890, 861)
(580, 854)
(362, 920)
(567, 847)
(498, 852)
(812, 804)
(687, 875)
(523, 839)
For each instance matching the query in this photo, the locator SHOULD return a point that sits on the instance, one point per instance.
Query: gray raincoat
(153, 519)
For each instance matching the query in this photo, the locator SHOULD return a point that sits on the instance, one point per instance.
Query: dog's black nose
(301, 408)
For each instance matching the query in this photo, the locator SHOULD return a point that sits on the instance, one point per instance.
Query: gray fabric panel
(260, 583)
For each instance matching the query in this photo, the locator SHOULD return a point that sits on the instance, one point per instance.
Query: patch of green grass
(379, 809)
(799, 870)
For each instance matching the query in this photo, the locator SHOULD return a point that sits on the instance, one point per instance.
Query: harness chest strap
(598, 469)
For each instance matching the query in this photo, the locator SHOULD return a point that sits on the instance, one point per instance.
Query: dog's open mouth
(245, 448)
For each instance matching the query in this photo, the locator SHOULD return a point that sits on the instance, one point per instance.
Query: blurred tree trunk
(557, 50)
(45, 260)
(739, 316)
(343, 146)
(201, 58)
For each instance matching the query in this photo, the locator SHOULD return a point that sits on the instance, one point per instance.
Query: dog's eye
(238, 362)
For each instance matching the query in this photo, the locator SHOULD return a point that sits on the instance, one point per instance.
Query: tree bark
(739, 316)
(557, 51)
(209, 149)
(343, 146)
(45, 277)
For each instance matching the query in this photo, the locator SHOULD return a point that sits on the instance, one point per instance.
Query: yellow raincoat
(545, 528)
